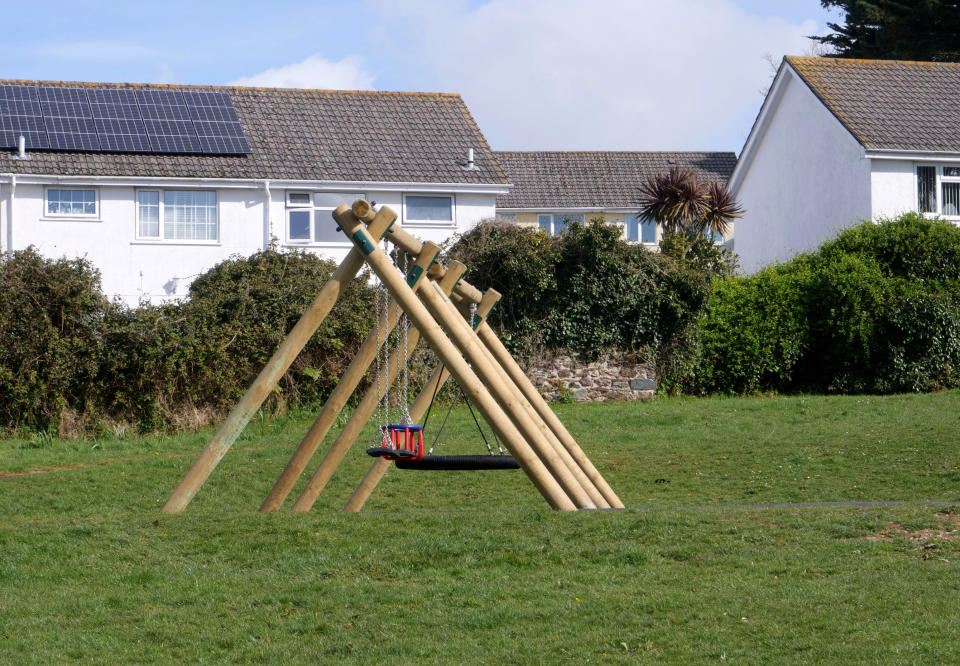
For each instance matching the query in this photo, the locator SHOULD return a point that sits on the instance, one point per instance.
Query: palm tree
(683, 206)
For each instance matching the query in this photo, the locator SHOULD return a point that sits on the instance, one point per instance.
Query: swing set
(421, 298)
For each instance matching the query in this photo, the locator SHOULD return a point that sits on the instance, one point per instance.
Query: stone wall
(615, 376)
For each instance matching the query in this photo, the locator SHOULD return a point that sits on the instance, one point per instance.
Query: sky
(536, 74)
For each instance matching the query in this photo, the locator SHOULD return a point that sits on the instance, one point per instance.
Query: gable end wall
(808, 177)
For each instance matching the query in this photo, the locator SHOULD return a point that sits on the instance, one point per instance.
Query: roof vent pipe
(470, 166)
(21, 149)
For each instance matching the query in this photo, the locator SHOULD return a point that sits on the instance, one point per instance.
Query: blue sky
(537, 74)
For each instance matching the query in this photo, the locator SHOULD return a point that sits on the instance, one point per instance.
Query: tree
(686, 209)
(895, 30)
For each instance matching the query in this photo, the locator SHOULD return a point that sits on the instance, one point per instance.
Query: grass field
(474, 568)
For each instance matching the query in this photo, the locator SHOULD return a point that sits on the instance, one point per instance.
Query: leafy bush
(587, 290)
(873, 310)
(50, 336)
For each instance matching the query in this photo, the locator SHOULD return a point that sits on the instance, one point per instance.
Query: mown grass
(473, 568)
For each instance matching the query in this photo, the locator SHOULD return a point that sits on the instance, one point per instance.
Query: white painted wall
(153, 270)
(806, 178)
(893, 187)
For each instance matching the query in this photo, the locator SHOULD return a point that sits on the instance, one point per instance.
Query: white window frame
(939, 180)
(299, 204)
(315, 210)
(160, 240)
(451, 223)
(578, 217)
(640, 224)
(71, 216)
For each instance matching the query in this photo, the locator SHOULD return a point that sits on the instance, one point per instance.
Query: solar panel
(20, 116)
(218, 126)
(68, 119)
(120, 120)
(117, 118)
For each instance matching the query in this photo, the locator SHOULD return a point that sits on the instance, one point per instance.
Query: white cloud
(604, 74)
(314, 72)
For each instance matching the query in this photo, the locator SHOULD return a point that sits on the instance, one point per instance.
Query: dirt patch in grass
(948, 530)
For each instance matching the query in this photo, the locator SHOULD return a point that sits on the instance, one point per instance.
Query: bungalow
(838, 141)
(550, 188)
(155, 184)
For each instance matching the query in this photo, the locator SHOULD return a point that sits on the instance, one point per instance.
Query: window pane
(927, 189)
(507, 216)
(430, 208)
(334, 199)
(72, 202)
(325, 228)
(648, 231)
(299, 198)
(190, 215)
(300, 225)
(148, 214)
(951, 199)
(951, 171)
(632, 228)
(544, 222)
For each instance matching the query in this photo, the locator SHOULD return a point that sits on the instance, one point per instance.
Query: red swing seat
(401, 441)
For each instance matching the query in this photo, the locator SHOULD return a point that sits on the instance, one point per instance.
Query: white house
(552, 187)
(156, 184)
(838, 141)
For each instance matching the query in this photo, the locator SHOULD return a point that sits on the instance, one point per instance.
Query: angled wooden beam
(450, 356)
(509, 401)
(526, 409)
(345, 387)
(495, 346)
(278, 364)
(361, 415)
(431, 388)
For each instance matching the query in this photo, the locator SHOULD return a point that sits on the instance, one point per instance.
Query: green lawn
(474, 568)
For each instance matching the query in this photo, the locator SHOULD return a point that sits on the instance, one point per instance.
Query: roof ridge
(616, 152)
(862, 61)
(192, 86)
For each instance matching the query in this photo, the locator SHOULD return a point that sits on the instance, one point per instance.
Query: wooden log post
(435, 336)
(278, 364)
(346, 386)
(496, 347)
(595, 495)
(437, 379)
(510, 399)
(361, 415)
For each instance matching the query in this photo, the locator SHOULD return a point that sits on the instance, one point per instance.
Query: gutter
(913, 156)
(257, 183)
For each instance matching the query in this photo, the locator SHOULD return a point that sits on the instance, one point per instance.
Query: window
(310, 218)
(512, 217)
(938, 190)
(71, 203)
(428, 209)
(641, 229)
(189, 215)
(557, 224)
(927, 189)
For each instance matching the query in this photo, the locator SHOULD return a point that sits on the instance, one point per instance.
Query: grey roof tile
(889, 104)
(597, 179)
(308, 135)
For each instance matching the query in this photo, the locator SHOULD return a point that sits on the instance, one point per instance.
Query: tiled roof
(300, 134)
(889, 104)
(597, 179)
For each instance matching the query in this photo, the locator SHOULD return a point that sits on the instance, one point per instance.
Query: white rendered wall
(893, 188)
(137, 270)
(807, 179)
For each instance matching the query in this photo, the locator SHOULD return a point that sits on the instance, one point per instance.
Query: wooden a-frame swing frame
(436, 301)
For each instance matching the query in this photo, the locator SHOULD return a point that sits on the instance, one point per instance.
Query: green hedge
(874, 310)
(587, 291)
(73, 361)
